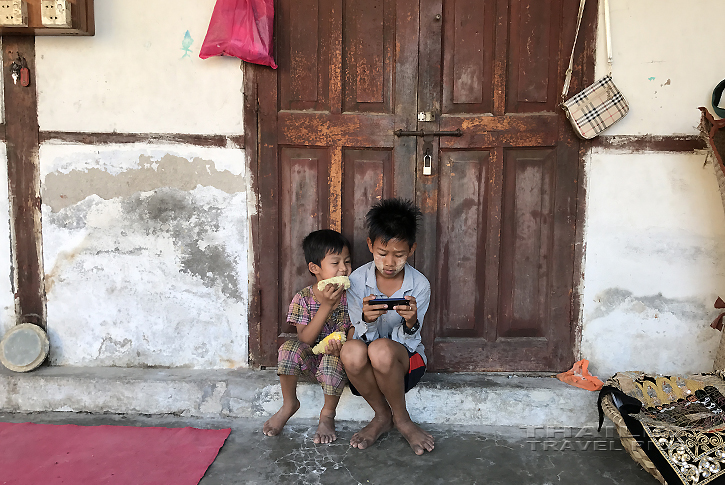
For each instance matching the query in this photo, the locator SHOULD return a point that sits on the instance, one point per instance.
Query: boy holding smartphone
(385, 358)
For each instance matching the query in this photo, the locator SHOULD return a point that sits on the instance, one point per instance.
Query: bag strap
(716, 98)
(607, 35)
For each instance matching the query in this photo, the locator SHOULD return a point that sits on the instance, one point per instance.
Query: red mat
(47, 454)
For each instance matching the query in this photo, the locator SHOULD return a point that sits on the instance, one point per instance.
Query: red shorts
(416, 370)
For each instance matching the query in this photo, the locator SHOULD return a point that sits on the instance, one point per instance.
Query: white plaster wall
(655, 262)
(145, 253)
(667, 59)
(7, 299)
(654, 259)
(134, 75)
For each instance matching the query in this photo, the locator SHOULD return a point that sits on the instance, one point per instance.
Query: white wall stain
(147, 278)
(654, 262)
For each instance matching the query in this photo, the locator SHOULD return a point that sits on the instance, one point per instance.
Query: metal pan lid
(24, 347)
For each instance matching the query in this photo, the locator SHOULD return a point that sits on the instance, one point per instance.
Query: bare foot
(370, 433)
(418, 439)
(274, 425)
(326, 430)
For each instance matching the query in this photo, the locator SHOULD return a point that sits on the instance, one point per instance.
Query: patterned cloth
(304, 307)
(677, 420)
(297, 359)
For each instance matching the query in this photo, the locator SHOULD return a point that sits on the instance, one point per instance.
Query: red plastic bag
(243, 29)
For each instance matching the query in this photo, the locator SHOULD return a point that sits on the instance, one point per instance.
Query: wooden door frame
(258, 145)
(22, 140)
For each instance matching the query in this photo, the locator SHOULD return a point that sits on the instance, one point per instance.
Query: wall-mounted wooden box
(81, 18)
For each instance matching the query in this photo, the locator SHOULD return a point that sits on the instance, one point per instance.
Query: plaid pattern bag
(600, 105)
(596, 108)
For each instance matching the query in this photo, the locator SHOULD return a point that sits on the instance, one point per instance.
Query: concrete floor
(472, 455)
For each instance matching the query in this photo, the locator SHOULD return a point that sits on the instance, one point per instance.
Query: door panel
(326, 118)
(304, 49)
(496, 288)
(526, 242)
(368, 55)
(368, 178)
(534, 49)
(303, 208)
(498, 232)
(463, 220)
(469, 44)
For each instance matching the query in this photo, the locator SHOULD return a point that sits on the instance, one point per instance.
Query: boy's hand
(330, 296)
(408, 312)
(371, 311)
(333, 348)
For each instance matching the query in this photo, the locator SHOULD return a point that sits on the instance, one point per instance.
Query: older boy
(386, 357)
(316, 314)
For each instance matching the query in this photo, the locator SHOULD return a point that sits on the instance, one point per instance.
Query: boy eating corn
(317, 311)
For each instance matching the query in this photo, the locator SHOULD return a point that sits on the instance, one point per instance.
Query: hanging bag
(600, 105)
(243, 29)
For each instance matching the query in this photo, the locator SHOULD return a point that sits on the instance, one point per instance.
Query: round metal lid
(24, 347)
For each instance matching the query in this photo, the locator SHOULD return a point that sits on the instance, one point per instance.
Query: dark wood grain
(21, 135)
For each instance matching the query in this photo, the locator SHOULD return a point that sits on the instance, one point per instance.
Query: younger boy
(386, 358)
(316, 314)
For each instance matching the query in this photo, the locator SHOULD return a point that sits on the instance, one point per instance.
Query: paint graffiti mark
(186, 44)
(651, 78)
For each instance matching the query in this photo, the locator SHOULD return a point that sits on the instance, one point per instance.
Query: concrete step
(456, 399)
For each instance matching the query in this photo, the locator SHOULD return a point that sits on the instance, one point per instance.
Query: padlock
(427, 164)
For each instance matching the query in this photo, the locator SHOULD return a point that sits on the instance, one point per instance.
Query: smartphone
(391, 302)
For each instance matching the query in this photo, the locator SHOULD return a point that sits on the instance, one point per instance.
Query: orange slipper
(579, 376)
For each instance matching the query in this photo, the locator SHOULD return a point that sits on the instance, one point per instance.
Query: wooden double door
(498, 238)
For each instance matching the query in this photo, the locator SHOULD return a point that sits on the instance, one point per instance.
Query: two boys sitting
(383, 357)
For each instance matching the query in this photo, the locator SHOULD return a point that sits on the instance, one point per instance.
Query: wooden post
(21, 135)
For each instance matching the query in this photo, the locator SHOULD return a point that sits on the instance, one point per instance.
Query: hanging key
(15, 69)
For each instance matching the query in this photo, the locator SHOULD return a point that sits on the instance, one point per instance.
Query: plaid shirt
(304, 307)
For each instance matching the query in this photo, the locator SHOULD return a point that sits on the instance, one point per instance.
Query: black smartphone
(391, 302)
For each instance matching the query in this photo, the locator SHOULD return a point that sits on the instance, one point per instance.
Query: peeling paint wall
(654, 258)
(145, 252)
(655, 262)
(145, 245)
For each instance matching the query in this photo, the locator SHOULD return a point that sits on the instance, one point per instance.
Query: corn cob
(320, 348)
(336, 280)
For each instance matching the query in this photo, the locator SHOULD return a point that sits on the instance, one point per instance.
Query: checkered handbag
(596, 108)
(600, 105)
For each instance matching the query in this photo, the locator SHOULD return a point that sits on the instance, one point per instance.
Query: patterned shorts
(296, 358)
